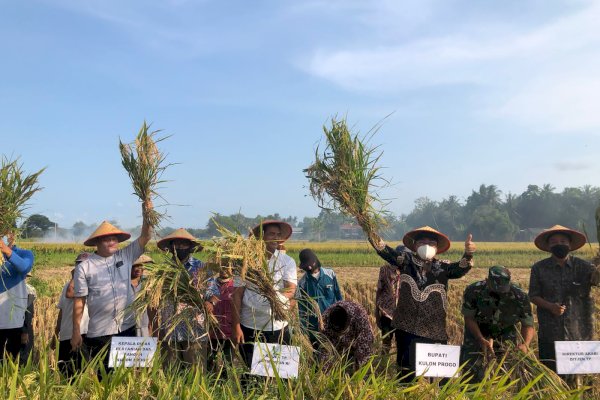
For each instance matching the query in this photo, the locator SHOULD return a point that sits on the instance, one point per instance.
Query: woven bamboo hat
(443, 243)
(106, 229)
(143, 259)
(577, 238)
(179, 234)
(286, 229)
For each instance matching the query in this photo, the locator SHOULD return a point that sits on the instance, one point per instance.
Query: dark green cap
(499, 279)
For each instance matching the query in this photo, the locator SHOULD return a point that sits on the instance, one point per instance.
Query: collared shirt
(66, 322)
(496, 314)
(256, 310)
(569, 285)
(192, 329)
(323, 289)
(106, 282)
(388, 286)
(13, 291)
(357, 339)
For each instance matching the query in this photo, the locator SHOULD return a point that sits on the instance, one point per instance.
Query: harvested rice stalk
(247, 257)
(344, 175)
(168, 283)
(145, 164)
(528, 374)
(16, 189)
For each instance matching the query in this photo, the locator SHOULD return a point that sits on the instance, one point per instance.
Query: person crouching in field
(317, 290)
(253, 319)
(420, 316)
(560, 287)
(346, 326)
(103, 282)
(219, 302)
(187, 341)
(492, 308)
(386, 300)
(142, 322)
(16, 264)
(69, 361)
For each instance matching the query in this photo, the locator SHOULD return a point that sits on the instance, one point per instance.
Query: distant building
(351, 231)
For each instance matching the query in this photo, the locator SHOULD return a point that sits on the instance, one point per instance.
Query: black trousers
(10, 341)
(406, 344)
(281, 336)
(69, 362)
(388, 332)
(223, 348)
(95, 345)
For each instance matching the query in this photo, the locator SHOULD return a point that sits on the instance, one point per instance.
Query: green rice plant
(16, 190)
(344, 175)
(145, 164)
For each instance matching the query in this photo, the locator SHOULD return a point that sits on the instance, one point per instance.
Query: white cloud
(544, 77)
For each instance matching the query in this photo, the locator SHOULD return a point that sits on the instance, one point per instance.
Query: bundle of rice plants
(248, 258)
(528, 374)
(145, 164)
(16, 189)
(345, 174)
(168, 283)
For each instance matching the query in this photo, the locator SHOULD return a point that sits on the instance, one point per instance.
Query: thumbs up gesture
(470, 245)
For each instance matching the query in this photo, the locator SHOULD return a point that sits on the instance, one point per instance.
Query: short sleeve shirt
(256, 311)
(66, 322)
(106, 282)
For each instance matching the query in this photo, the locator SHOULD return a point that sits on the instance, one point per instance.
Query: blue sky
(504, 93)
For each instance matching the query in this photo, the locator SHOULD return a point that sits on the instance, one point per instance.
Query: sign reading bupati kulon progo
(132, 351)
(437, 360)
(581, 357)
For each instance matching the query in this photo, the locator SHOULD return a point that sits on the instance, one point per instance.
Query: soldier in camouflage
(492, 309)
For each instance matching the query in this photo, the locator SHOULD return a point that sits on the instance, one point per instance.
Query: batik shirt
(356, 340)
(496, 314)
(388, 285)
(422, 299)
(570, 286)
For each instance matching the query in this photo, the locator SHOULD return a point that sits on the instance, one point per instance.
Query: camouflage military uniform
(570, 286)
(496, 315)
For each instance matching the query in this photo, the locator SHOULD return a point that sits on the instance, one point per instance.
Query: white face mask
(426, 252)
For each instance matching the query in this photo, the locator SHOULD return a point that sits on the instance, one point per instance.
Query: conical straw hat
(442, 240)
(578, 239)
(181, 234)
(106, 229)
(143, 259)
(286, 229)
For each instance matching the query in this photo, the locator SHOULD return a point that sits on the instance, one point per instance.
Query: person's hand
(237, 336)
(24, 338)
(6, 250)
(76, 341)
(557, 309)
(470, 245)
(487, 345)
(209, 307)
(523, 347)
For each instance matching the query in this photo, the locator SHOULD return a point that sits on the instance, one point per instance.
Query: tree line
(487, 213)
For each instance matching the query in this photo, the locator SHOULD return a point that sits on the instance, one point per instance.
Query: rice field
(357, 270)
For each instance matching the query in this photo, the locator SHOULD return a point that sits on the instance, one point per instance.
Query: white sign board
(285, 359)
(437, 360)
(131, 351)
(577, 357)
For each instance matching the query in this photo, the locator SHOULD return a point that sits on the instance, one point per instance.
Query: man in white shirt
(253, 318)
